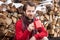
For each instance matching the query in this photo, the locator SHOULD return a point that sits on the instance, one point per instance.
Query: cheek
(27, 13)
(30, 14)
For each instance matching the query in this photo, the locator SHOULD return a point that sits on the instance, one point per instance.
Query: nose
(31, 12)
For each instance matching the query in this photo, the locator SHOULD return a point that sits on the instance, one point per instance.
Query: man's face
(30, 12)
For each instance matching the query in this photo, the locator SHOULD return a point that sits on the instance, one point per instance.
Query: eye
(29, 11)
(41, 5)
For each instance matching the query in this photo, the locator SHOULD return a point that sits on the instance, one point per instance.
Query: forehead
(30, 7)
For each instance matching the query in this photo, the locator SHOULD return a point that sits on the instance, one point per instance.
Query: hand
(33, 38)
(31, 27)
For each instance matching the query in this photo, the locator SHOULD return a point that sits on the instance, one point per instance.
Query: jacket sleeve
(42, 33)
(20, 35)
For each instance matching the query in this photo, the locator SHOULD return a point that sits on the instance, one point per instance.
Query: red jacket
(20, 35)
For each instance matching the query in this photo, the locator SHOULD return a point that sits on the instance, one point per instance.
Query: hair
(28, 3)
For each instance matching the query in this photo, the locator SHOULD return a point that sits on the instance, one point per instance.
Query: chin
(31, 18)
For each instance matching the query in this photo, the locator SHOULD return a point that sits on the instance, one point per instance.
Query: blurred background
(48, 11)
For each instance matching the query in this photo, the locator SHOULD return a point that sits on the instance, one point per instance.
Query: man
(25, 28)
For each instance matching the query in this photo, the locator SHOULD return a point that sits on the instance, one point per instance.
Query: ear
(24, 12)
